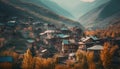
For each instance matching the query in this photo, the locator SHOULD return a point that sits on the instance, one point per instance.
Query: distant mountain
(102, 16)
(89, 18)
(52, 6)
(19, 8)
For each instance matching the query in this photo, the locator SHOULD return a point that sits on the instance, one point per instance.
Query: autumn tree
(6, 65)
(28, 61)
(81, 59)
(80, 55)
(9, 65)
(39, 63)
(10, 53)
(111, 31)
(107, 55)
(49, 63)
(58, 66)
(90, 59)
(113, 35)
(42, 63)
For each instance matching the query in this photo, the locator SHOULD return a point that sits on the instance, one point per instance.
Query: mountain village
(46, 40)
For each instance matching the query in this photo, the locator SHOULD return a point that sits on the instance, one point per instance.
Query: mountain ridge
(51, 6)
(102, 17)
(43, 14)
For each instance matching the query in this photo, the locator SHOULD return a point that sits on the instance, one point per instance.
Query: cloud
(88, 0)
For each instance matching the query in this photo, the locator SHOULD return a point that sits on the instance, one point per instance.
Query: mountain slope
(13, 7)
(102, 16)
(50, 6)
(110, 9)
(89, 18)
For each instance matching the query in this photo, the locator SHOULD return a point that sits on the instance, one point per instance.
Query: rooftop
(65, 42)
(94, 37)
(72, 54)
(6, 59)
(44, 50)
(30, 40)
(62, 35)
(1, 24)
(95, 47)
(64, 29)
(48, 31)
(81, 43)
(90, 37)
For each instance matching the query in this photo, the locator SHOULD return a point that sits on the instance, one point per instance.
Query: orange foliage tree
(28, 61)
(61, 67)
(90, 59)
(8, 65)
(111, 31)
(10, 53)
(81, 59)
(107, 55)
(42, 63)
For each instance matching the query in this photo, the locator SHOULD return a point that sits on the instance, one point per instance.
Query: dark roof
(64, 29)
(94, 38)
(6, 59)
(1, 24)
